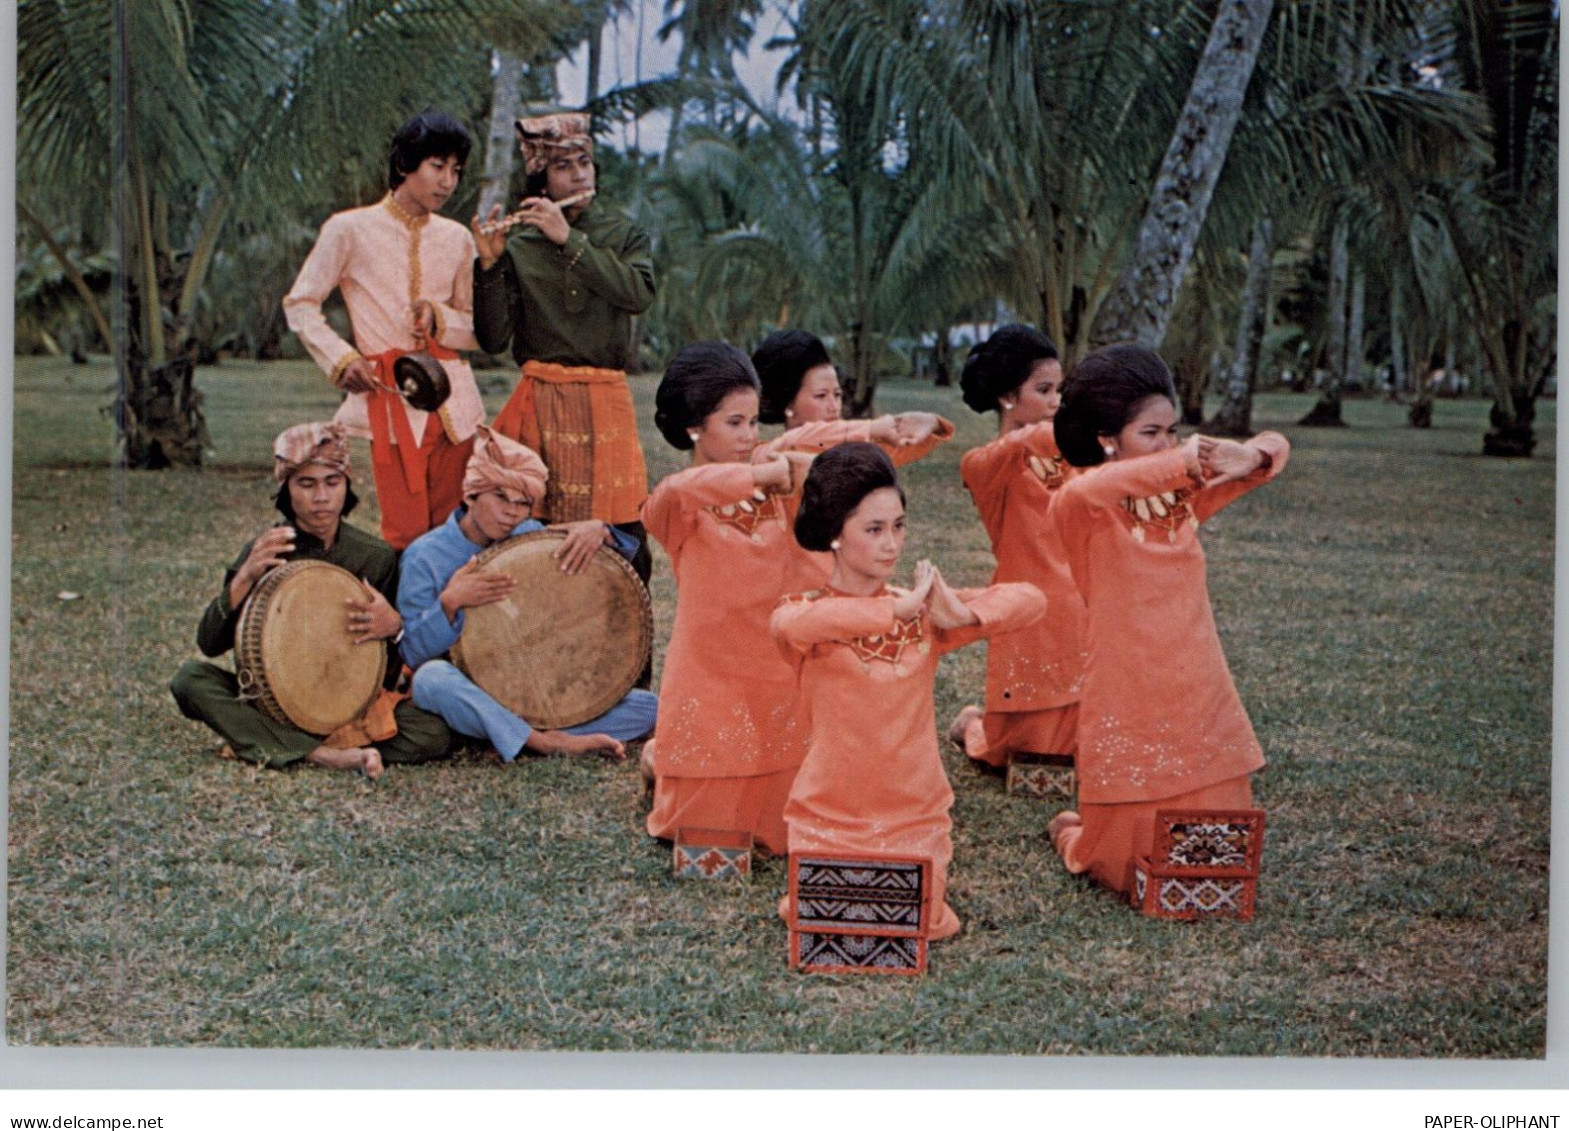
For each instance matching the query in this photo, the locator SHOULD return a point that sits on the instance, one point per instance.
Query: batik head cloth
(553, 135)
(501, 462)
(320, 442)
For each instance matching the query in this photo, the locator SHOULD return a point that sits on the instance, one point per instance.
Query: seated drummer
(311, 464)
(441, 579)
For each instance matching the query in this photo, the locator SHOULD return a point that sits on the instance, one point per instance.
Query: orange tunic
(1160, 719)
(729, 738)
(873, 783)
(1033, 678)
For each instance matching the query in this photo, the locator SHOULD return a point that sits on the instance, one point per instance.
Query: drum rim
(645, 624)
(248, 639)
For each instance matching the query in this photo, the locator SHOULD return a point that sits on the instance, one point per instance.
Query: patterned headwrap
(320, 442)
(552, 135)
(502, 462)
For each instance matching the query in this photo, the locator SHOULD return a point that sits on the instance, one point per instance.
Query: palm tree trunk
(1399, 369)
(506, 107)
(1356, 345)
(1326, 413)
(1140, 304)
(1235, 417)
(942, 359)
(596, 43)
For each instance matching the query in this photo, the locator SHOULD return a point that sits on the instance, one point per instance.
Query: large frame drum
(293, 652)
(561, 649)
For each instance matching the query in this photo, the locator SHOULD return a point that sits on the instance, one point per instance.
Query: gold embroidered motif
(1052, 471)
(748, 514)
(889, 646)
(1166, 511)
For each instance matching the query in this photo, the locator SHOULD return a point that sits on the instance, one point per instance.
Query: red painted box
(859, 916)
(712, 854)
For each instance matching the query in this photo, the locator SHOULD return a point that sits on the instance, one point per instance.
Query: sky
(633, 53)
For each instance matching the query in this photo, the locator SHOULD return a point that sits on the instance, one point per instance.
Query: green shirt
(571, 305)
(363, 555)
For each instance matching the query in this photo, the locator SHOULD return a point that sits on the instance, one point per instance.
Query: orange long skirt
(747, 804)
(1110, 836)
(996, 735)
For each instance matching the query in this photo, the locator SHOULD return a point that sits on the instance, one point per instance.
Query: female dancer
(801, 391)
(728, 741)
(1160, 723)
(1032, 678)
(873, 784)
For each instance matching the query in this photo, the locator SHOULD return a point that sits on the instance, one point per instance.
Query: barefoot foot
(560, 742)
(362, 759)
(961, 726)
(1067, 819)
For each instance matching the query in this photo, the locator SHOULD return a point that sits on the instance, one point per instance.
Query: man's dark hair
(430, 133)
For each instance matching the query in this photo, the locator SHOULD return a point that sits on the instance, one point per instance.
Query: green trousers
(210, 694)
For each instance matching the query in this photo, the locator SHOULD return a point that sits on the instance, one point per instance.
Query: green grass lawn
(1386, 606)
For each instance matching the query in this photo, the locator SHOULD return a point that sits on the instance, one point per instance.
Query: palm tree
(1504, 226)
(1145, 293)
(1050, 115)
(711, 32)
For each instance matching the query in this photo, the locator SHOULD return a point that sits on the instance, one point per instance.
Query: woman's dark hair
(429, 133)
(1103, 393)
(695, 381)
(782, 359)
(840, 478)
(1002, 363)
(285, 504)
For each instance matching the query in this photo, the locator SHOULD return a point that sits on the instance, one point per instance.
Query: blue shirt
(429, 563)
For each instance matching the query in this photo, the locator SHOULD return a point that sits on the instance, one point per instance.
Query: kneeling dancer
(311, 465)
(872, 785)
(441, 580)
(1160, 722)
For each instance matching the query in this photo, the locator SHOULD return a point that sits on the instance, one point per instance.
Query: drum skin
(561, 649)
(293, 652)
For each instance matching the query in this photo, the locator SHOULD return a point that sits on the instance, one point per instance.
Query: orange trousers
(405, 513)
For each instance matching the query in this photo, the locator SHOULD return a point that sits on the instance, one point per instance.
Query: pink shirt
(382, 260)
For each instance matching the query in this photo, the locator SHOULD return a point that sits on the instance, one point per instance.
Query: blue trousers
(443, 690)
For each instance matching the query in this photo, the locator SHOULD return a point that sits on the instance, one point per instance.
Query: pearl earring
(692, 433)
(789, 412)
(834, 545)
(1110, 452)
(1007, 406)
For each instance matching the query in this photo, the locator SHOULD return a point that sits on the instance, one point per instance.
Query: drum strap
(389, 421)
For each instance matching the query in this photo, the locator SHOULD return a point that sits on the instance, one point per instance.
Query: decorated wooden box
(818, 952)
(1196, 842)
(712, 854)
(1042, 775)
(1162, 895)
(859, 916)
(1204, 863)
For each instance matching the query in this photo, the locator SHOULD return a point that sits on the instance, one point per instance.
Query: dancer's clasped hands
(931, 592)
